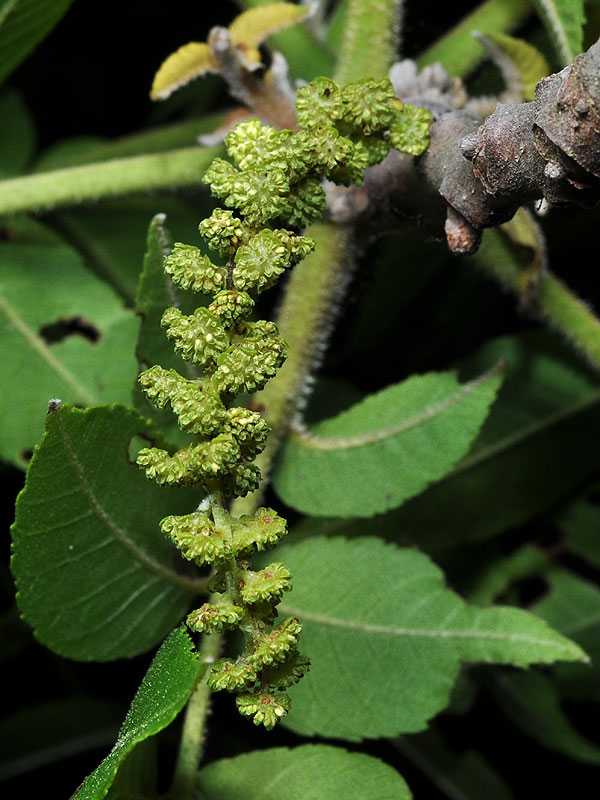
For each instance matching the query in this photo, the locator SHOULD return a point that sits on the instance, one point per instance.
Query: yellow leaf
(252, 27)
(182, 66)
(529, 62)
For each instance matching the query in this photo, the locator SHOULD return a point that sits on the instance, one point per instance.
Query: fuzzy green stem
(370, 39)
(65, 187)
(313, 294)
(458, 51)
(555, 304)
(155, 140)
(194, 724)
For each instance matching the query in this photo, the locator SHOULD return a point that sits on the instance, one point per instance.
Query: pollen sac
(189, 268)
(195, 464)
(215, 617)
(257, 531)
(274, 646)
(253, 145)
(249, 429)
(297, 246)
(259, 194)
(282, 676)
(231, 675)
(266, 585)
(319, 103)
(199, 409)
(265, 708)
(197, 538)
(368, 105)
(248, 365)
(325, 148)
(241, 480)
(223, 232)
(409, 131)
(306, 204)
(260, 262)
(231, 306)
(199, 337)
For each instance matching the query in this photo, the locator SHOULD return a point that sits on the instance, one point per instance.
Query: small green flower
(319, 103)
(215, 617)
(199, 337)
(368, 105)
(231, 675)
(197, 538)
(267, 584)
(258, 531)
(409, 132)
(260, 262)
(189, 268)
(274, 646)
(265, 708)
(230, 306)
(223, 232)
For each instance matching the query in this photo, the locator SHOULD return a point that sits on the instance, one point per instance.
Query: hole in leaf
(73, 326)
(26, 454)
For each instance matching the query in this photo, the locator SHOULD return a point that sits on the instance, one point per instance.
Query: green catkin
(272, 189)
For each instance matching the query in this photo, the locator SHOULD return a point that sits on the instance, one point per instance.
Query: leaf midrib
(315, 442)
(422, 633)
(37, 344)
(192, 585)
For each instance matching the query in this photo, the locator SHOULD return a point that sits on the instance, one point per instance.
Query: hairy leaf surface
(386, 638)
(521, 63)
(564, 20)
(95, 577)
(164, 691)
(310, 772)
(387, 448)
(65, 335)
(534, 449)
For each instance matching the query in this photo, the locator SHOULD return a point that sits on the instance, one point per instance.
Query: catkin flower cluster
(272, 189)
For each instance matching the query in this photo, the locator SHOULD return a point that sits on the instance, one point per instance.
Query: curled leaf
(191, 61)
(521, 64)
(251, 28)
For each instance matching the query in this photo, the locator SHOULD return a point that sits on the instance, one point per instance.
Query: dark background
(91, 76)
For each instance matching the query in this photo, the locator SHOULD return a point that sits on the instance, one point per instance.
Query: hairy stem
(458, 51)
(370, 39)
(155, 140)
(119, 176)
(194, 724)
(556, 304)
(313, 294)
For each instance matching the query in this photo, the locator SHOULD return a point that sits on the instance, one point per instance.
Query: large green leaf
(532, 702)
(386, 637)
(24, 23)
(64, 334)
(311, 772)
(95, 578)
(535, 448)
(17, 135)
(573, 606)
(564, 20)
(164, 691)
(385, 449)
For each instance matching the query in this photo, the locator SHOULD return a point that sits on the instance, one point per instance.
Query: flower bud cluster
(272, 189)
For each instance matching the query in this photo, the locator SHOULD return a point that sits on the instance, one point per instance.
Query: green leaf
(310, 772)
(164, 691)
(564, 20)
(535, 448)
(54, 731)
(464, 776)
(156, 292)
(519, 61)
(111, 235)
(17, 135)
(581, 524)
(532, 702)
(572, 606)
(385, 449)
(51, 311)
(24, 23)
(386, 638)
(95, 577)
